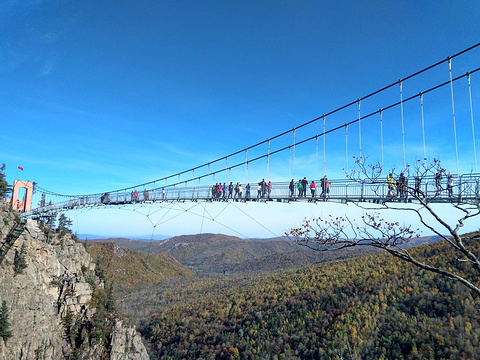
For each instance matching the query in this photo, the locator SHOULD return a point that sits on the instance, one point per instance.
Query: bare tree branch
(334, 233)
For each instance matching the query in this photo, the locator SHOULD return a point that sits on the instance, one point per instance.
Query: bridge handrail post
(460, 183)
(476, 188)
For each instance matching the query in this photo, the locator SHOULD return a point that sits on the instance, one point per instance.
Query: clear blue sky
(101, 95)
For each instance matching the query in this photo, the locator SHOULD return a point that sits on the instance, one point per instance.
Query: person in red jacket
(313, 188)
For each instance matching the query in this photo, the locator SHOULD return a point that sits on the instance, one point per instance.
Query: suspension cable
(294, 153)
(359, 129)
(295, 143)
(268, 161)
(423, 130)
(453, 112)
(381, 134)
(340, 108)
(324, 152)
(403, 128)
(471, 116)
(346, 147)
(290, 160)
(246, 166)
(316, 156)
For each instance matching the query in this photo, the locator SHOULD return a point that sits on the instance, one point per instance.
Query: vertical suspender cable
(290, 159)
(213, 181)
(453, 112)
(423, 130)
(246, 166)
(316, 162)
(403, 128)
(324, 153)
(381, 134)
(226, 167)
(359, 129)
(268, 161)
(471, 116)
(346, 147)
(293, 164)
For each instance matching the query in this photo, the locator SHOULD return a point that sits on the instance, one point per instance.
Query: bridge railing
(466, 188)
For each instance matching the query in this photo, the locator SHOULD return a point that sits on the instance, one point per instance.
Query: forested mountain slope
(367, 307)
(127, 268)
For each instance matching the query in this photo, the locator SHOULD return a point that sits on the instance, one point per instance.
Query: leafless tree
(372, 229)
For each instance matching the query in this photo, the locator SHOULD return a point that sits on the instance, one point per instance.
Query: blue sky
(101, 95)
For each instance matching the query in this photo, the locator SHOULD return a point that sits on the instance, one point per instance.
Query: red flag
(20, 168)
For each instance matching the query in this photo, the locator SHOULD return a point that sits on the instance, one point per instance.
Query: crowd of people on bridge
(297, 189)
(399, 187)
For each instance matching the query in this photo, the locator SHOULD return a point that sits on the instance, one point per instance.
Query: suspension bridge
(403, 127)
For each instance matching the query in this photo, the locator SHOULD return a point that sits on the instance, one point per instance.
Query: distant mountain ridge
(135, 237)
(217, 254)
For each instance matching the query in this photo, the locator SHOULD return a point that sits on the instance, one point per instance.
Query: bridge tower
(24, 204)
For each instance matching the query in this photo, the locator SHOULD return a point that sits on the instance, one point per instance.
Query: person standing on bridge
(391, 187)
(450, 184)
(247, 191)
(269, 189)
(236, 190)
(418, 183)
(324, 185)
(390, 181)
(299, 187)
(292, 188)
(264, 187)
(313, 187)
(230, 190)
(146, 195)
(304, 186)
(401, 185)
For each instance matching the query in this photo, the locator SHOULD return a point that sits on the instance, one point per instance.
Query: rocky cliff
(58, 306)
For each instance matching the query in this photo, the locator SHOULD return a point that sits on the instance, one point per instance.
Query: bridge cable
(471, 116)
(246, 166)
(453, 112)
(217, 222)
(334, 129)
(423, 131)
(324, 152)
(381, 135)
(294, 153)
(359, 129)
(255, 220)
(316, 155)
(346, 147)
(203, 219)
(403, 127)
(268, 161)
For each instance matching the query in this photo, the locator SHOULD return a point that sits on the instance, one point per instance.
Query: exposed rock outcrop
(58, 307)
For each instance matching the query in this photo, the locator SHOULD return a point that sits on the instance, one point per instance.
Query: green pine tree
(5, 189)
(5, 332)
(64, 222)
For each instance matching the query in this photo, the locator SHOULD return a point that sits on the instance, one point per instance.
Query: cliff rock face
(56, 302)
